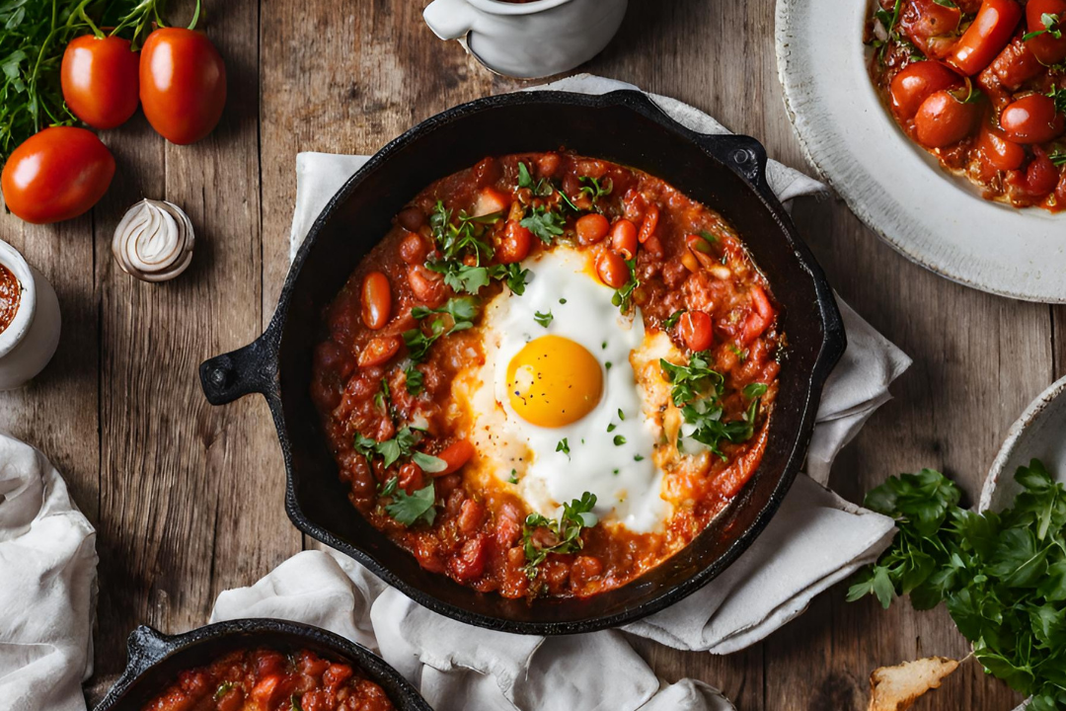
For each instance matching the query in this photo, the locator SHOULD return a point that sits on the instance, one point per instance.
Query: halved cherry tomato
(99, 80)
(930, 26)
(379, 350)
(489, 201)
(456, 455)
(650, 222)
(624, 238)
(514, 244)
(591, 228)
(612, 269)
(942, 120)
(183, 84)
(1032, 119)
(1045, 46)
(989, 33)
(917, 82)
(1000, 152)
(57, 174)
(696, 330)
(377, 300)
(1039, 179)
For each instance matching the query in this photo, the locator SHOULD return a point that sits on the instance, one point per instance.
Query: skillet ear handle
(252, 369)
(146, 646)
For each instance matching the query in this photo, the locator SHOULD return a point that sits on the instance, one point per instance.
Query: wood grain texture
(188, 498)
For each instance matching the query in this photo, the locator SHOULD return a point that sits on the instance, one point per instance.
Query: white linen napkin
(815, 540)
(48, 575)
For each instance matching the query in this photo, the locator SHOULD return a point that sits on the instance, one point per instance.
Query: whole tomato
(942, 120)
(916, 83)
(1043, 43)
(1032, 119)
(99, 80)
(183, 84)
(57, 174)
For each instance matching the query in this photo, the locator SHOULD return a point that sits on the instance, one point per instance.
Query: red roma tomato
(57, 174)
(986, 37)
(1032, 119)
(183, 84)
(942, 120)
(99, 80)
(1044, 46)
(916, 83)
(998, 151)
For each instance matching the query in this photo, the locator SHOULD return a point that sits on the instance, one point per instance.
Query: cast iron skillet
(727, 173)
(156, 660)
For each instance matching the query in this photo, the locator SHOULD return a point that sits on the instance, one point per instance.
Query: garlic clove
(154, 241)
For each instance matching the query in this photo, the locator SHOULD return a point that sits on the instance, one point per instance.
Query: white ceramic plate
(895, 187)
(1039, 433)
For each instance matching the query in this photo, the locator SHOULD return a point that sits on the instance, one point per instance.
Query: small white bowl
(528, 40)
(1040, 433)
(31, 339)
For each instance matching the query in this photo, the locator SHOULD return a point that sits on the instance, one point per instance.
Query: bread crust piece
(897, 688)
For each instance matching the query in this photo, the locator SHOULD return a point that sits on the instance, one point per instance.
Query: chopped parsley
(540, 188)
(638, 458)
(294, 703)
(622, 297)
(1058, 95)
(672, 319)
(592, 187)
(566, 532)
(621, 415)
(400, 446)
(544, 223)
(612, 427)
(1052, 27)
(619, 440)
(513, 275)
(513, 479)
(409, 509)
(414, 380)
(223, 689)
(461, 309)
(382, 398)
(543, 319)
(564, 447)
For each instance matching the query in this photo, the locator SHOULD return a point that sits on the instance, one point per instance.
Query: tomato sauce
(981, 85)
(10, 297)
(268, 680)
(688, 260)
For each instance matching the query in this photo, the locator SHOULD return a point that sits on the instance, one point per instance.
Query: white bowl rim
(11, 336)
(1024, 421)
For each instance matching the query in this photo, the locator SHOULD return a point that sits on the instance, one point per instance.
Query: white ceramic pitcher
(528, 40)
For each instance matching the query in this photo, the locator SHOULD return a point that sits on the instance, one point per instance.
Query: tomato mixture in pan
(267, 680)
(982, 86)
(550, 375)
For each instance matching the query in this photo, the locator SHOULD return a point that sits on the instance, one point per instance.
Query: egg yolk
(553, 382)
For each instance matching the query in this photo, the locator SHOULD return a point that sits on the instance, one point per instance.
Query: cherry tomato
(99, 80)
(1000, 152)
(456, 455)
(612, 269)
(379, 350)
(1032, 119)
(183, 84)
(591, 228)
(57, 174)
(930, 26)
(989, 33)
(514, 244)
(377, 300)
(624, 238)
(917, 82)
(1044, 46)
(942, 120)
(1039, 179)
(696, 330)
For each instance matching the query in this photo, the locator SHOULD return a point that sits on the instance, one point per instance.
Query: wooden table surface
(188, 499)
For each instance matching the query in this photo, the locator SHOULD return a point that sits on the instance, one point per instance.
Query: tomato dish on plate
(550, 375)
(980, 84)
(268, 680)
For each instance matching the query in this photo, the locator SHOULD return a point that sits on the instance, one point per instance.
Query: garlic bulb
(154, 241)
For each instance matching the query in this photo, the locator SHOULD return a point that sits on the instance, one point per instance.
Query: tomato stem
(195, 16)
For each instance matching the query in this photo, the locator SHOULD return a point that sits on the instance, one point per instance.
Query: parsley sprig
(623, 297)
(401, 446)
(566, 532)
(544, 223)
(697, 391)
(1002, 576)
(409, 509)
(1052, 26)
(462, 311)
(592, 187)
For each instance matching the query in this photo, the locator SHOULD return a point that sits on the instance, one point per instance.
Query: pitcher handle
(450, 19)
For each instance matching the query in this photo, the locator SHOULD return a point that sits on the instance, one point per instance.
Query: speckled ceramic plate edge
(932, 218)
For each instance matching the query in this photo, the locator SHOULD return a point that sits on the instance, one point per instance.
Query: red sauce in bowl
(10, 297)
(267, 680)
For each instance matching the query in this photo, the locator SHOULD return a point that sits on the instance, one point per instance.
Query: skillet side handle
(146, 646)
(252, 369)
(746, 156)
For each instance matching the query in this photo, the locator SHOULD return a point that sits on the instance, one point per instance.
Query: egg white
(624, 476)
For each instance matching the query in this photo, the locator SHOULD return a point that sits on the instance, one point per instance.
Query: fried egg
(556, 408)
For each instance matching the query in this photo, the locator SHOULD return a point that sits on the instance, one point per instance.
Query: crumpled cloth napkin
(815, 540)
(47, 585)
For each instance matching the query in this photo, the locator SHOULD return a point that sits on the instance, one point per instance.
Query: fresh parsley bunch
(1002, 576)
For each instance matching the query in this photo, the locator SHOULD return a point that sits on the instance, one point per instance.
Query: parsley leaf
(564, 535)
(294, 703)
(540, 188)
(409, 509)
(415, 380)
(543, 319)
(672, 319)
(390, 450)
(461, 277)
(593, 189)
(1058, 94)
(462, 310)
(623, 297)
(1002, 576)
(223, 689)
(544, 223)
(513, 479)
(514, 275)
(461, 237)
(1052, 26)
(563, 447)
